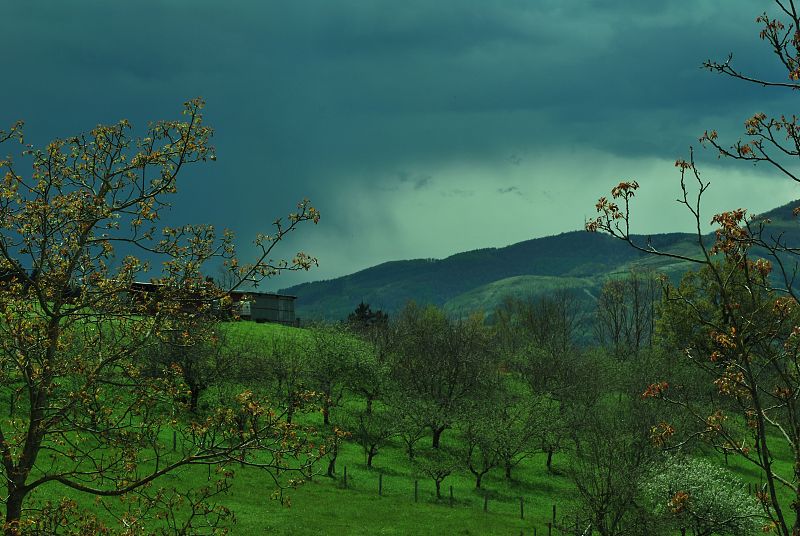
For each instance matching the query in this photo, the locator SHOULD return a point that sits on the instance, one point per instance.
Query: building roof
(147, 286)
(239, 293)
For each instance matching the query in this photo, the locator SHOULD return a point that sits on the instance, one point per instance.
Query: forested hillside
(479, 279)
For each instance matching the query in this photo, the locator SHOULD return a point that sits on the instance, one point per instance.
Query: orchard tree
(363, 318)
(203, 358)
(695, 495)
(281, 361)
(87, 416)
(477, 434)
(612, 452)
(329, 355)
(437, 464)
(537, 337)
(626, 314)
(440, 366)
(372, 430)
(753, 355)
(369, 371)
(550, 322)
(520, 419)
(408, 425)
(372, 359)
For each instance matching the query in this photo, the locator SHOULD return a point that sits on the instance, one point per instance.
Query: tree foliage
(441, 365)
(745, 302)
(363, 318)
(626, 314)
(692, 494)
(88, 414)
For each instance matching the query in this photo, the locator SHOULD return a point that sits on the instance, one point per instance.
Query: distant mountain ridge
(479, 279)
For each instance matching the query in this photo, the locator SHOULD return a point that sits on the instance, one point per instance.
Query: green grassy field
(324, 505)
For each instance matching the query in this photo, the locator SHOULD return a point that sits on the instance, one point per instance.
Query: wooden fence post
(549, 529)
(345, 476)
(380, 485)
(451, 496)
(416, 490)
(521, 508)
(485, 503)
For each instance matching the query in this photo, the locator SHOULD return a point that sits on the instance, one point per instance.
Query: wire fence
(519, 507)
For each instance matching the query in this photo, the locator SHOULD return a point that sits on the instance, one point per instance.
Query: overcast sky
(419, 128)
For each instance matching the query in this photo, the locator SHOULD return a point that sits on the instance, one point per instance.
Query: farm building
(265, 307)
(256, 306)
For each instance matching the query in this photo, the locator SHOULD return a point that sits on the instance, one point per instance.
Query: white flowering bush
(704, 499)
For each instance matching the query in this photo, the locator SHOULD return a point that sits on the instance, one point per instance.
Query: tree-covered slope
(388, 286)
(479, 279)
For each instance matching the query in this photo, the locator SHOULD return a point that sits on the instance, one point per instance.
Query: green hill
(487, 297)
(479, 279)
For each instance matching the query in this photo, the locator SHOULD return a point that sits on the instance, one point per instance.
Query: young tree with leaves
(625, 314)
(87, 417)
(692, 494)
(751, 327)
(440, 366)
(329, 356)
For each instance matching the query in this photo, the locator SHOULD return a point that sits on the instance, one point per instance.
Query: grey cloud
(515, 159)
(328, 99)
(509, 190)
(458, 192)
(418, 182)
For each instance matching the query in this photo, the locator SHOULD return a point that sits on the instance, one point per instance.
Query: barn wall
(272, 308)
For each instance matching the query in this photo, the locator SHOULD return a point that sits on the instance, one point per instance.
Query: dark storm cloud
(368, 107)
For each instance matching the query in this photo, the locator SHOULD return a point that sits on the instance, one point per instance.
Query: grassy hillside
(381, 499)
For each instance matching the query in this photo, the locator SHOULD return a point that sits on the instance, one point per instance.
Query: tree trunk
(437, 434)
(333, 455)
(507, 467)
(796, 508)
(332, 466)
(438, 489)
(290, 410)
(371, 454)
(194, 396)
(369, 405)
(550, 460)
(13, 511)
(478, 477)
(326, 414)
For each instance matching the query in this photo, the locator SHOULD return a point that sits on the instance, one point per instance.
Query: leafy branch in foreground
(740, 309)
(86, 412)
